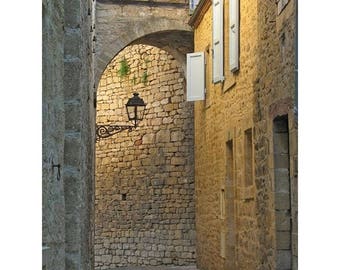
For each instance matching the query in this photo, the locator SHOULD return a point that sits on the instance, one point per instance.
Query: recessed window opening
(230, 163)
(230, 224)
(282, 193)
(222, 203)
(248, 157)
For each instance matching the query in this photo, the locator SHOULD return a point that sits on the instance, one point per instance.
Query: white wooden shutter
(218, 41)
(195, 76)
(234, 35)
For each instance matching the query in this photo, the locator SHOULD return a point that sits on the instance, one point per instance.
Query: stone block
(163, 136)
(176, 136)
(169, 107)
(281, 145)
(295, 244)
(178, 161)
(136, 163)
(72, 117)
(282, 181)
(72, 43)
(164, 88)
(295, 263)
(281, 160)
(146, 162)
(72, 71)
(156, 122)
(283, 220)
(73, 13)
(282, 201)
(283, 259)
(72, 152)
(283, 240)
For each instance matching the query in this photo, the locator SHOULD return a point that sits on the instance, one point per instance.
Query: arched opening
(144, 200)
(176, 42)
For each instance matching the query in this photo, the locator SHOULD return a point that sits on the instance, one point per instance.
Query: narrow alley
(170, 135)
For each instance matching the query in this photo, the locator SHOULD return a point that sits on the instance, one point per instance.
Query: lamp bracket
(105, 131)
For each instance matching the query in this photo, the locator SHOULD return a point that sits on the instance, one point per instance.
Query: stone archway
(147, 173)
(160, 24)
(145, 210)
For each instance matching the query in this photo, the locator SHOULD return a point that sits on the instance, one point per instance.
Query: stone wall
(225, 197)
(68, 134)
(53, 122)
(275, 96)
(234, 158)
(78, 171)
(145, 210)
(162, 24)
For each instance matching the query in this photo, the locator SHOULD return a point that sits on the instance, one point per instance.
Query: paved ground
(191, 267)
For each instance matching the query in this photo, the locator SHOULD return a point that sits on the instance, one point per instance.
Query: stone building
(212, 181)
(245, 133)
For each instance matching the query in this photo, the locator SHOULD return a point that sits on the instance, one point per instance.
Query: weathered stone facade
(245, 162)
(68, 135)
(275, 99)
(145, 210)
(53, 205)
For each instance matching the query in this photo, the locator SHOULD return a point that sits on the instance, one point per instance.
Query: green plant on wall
(124, 68)
(144, 78)
(134, 79)
(147, 61)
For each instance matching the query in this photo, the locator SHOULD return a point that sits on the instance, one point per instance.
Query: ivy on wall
(124, 70)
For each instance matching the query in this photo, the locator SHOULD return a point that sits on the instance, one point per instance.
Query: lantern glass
(135, 108)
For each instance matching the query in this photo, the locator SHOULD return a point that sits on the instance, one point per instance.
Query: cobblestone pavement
(165, 267)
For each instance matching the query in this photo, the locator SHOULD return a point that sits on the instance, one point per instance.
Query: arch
(171, 35)
(145, 178)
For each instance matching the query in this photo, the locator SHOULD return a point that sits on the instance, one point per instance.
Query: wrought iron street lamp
(135, 108)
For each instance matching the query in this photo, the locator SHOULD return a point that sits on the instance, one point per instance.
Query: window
(248, 157)
(282, 194)
(222, 204)
(230, 220)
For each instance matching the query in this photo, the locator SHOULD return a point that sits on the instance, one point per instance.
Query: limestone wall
(237, 224)
(145, 210)
(226, 220)
(275, 97)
